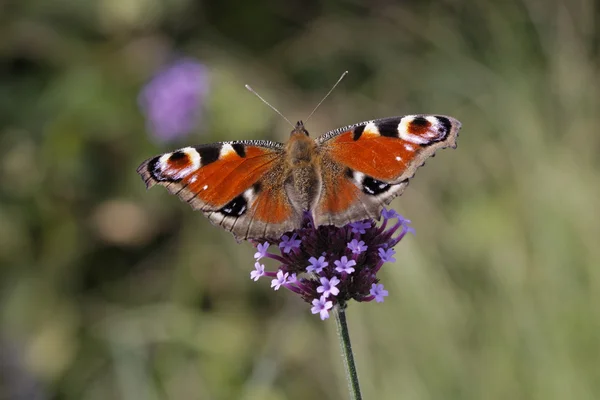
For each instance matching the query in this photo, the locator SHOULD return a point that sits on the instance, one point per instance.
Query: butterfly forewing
(390, 149)
(232, 183)
(377, 158)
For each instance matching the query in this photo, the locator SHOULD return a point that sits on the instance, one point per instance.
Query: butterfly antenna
(327, 95)
(267, 103)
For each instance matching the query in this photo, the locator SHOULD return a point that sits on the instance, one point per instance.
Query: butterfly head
(299, 129)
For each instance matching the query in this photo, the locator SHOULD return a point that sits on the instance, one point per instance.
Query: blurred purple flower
(323, 274)
(172, 100)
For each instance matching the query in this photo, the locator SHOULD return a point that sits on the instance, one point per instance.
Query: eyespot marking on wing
(373, 186)
(175, 166)
(226, 151)
(424, 130)
(367, 184)
(235, 208)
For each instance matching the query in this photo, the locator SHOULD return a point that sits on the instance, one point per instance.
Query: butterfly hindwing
(233, 183)
(370, 163)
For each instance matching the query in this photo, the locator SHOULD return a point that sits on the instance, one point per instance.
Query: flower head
(328, 265)
(321, 306)
(288, 243)
(390, 214)
(344, 266)
(316, 264)
(259, 270)
(292, 279)
(356, 246)
(282, 279)
(173, 98)
(387, 255)
(261, 250)
(328, 286)
(360, 226)
(378, 292)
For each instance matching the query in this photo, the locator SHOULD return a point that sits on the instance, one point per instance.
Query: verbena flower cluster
(327, 265)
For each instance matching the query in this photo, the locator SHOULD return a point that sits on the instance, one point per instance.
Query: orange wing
(234, 184)
(368, 164)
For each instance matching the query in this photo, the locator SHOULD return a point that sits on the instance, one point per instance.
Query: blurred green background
(108, 291)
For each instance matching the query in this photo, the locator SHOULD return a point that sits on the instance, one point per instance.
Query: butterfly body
(261, 189)
(303, 182)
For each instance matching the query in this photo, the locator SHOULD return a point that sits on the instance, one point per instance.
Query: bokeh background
(109, 291)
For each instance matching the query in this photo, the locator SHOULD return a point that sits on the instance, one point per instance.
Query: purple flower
(261, 250)
(387, 255)
(360, 226)
(378, 292)
(316, 265)
(357, 247)
(405, 225)
(328, 286)
(292, 279)
(281, 279)
(390, 214)
(259, 270)
(322, 307)
(344, 266)
(287, 243)
(172, 100)
(314, 261)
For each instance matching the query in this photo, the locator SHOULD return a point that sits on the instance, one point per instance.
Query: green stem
(347, 355)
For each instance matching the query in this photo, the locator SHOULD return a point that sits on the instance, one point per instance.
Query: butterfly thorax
(303, 184)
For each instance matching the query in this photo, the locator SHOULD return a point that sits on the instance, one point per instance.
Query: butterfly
(259, 189)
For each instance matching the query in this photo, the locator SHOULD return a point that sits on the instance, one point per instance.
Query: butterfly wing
(237, 185)
(366, 165)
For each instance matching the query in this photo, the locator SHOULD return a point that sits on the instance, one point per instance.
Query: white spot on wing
(358, 177)
(432, 119)
(193, 179)
(226, 149)
(409, 147)
(205, 187)
(371, 129)
(398, 158)
(249, 195)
